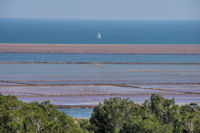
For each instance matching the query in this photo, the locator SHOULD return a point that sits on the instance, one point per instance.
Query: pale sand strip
(101, 48)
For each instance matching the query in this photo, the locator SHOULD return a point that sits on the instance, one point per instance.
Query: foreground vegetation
(20, 117)
(116, 115)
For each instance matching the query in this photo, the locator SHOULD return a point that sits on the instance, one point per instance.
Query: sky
(102, 9)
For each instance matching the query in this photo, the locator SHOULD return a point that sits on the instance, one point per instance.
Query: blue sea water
(112, 31)
(111, 58)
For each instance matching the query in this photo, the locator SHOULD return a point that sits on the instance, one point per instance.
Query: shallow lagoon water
(77, 112)
(75, 90)
(111, 58)
(131, 73)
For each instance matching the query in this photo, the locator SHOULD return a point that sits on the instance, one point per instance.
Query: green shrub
(19, 117)
(157, 115)
(115, 115)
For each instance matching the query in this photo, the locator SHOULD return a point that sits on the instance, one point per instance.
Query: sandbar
(101, 48)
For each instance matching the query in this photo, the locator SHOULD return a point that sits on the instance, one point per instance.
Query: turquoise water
(112, 58)
(112, 32)
(77, 113)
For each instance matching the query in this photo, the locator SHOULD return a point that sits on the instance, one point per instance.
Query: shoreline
(101, 48)
(98, 63)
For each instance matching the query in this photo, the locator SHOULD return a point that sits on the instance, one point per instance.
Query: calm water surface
(124, 58)
(110, 73)
(77, 113)
(112, 32)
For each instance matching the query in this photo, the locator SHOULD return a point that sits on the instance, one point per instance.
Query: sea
(101, 69)
(112, 31)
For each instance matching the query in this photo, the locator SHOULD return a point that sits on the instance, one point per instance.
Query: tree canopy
(115, 115)
(20, 117)
(157, 115)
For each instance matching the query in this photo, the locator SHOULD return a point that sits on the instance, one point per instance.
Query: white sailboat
(98, 36)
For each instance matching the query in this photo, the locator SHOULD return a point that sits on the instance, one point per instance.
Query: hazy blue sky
(101, 9)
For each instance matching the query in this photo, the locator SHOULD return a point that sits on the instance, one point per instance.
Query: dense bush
(116, 115)
(157, 115)
(19, 117)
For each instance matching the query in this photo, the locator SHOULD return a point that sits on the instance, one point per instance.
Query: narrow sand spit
(101, 48)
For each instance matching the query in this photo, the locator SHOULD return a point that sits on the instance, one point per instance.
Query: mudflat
(101, 48)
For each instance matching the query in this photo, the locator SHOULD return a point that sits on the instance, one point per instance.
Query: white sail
(99, 35)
